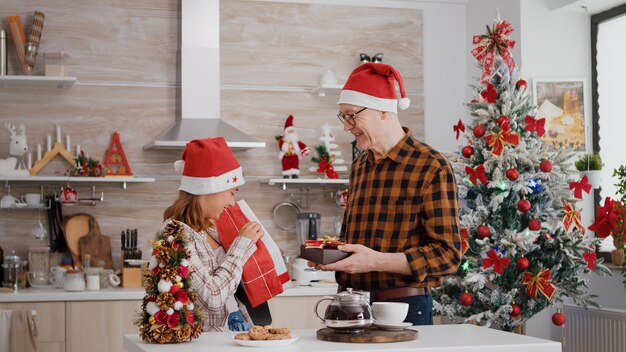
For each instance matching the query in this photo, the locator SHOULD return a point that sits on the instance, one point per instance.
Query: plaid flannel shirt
(214, 283)
(404, 202)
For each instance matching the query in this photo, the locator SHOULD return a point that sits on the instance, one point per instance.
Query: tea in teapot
(348, 312)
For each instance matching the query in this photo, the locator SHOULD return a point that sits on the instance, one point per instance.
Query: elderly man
(401, 220)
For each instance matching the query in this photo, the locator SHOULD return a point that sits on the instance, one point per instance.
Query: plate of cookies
(265, 336)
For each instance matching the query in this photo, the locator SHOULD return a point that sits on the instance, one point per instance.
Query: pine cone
(196, 330)
(164, 255)
(145, 335)
(183, 334)
(165, 300)
(162, 334)
(168, 273)
(172, 229)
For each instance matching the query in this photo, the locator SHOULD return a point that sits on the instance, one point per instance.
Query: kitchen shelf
(116, 179)
(328, 88)
(304, 182)
(37, 81)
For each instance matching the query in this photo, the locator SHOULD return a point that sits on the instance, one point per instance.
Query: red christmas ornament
(467, 151)
(534, 224)
(483, 231)
(521, 84)
(558, 318)
(512, 174)
(515, 310)
(545, 166)
(467, 299)
(522, 263)
(523, 206)
(502, 119)
(479, 131)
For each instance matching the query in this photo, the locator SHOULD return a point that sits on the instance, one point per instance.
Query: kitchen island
(442, 338)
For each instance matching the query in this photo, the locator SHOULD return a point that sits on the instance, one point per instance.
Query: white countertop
(123, 294)
(442, 338)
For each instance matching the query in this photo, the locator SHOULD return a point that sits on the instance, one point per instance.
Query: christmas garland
(168, 313)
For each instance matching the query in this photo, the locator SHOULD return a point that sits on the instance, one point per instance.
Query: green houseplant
(591, 166)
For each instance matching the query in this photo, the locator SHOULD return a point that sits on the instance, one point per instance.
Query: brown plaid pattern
(215, 282)
(404, 202)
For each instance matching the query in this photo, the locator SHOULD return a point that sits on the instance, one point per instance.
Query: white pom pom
(404, 103)
(153, 263)
(164, 286)
(178, 305)
(170, 311)
(179, 165)
(184, 263)
(190, 306)
(152, 308)
(170, 238)
(178, 278)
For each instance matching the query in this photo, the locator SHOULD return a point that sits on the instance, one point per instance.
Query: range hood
(200, 82)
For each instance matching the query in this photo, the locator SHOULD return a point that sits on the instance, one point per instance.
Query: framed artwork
(562, 103)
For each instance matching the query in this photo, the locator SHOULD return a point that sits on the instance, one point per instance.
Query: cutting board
(371, 335)
(98, 247)
(83, 236)
(74, 227)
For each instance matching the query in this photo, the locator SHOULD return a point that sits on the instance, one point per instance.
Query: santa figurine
(291, 150)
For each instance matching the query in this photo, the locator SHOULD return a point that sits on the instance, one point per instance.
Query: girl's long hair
(187, 209)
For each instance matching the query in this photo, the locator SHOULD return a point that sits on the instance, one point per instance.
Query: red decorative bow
(579, 187)
(496, 261)
(535, 125)
(331, 173)
(464, 240)
(496, 39)
(571, 216)
(591, 258)
(322, 165)
(606, 219)
(490, 94)
(539, 283)
(478, 173)
(497, 140)
(458, 128)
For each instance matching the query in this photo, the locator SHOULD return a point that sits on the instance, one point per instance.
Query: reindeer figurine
(14, 164)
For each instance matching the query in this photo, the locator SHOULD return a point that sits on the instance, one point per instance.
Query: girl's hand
(251, 230)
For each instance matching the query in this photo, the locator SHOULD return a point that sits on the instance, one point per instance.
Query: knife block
(132, 277)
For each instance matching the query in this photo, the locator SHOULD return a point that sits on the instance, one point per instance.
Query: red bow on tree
(490, 94)
(571, 216)
(464, 240)
(539, 283)
(579, 187)
(322, 165)
(535, 125)
(498, 263)
(497, 140)
(591, 258)
(478, 173)
(496, 40)
(606, 219)
(331, 173)
(458, 128)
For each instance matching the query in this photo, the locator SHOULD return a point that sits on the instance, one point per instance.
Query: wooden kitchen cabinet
(99, 325)
(49, 320)
(297, 312)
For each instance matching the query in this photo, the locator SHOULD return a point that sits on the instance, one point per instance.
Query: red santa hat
(371, 85)
(289, 125)
(209, 166)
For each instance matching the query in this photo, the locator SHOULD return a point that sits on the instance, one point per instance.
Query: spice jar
(74, 281)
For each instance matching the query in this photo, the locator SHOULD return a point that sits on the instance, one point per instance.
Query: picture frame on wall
(562, 103)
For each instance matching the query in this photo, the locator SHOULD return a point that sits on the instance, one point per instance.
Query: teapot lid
(348, 296)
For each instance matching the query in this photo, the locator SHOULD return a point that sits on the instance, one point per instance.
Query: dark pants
(420, 309)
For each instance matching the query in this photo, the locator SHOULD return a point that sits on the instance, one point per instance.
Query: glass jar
(74, 281)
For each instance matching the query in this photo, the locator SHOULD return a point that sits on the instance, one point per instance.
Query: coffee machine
(308, 226)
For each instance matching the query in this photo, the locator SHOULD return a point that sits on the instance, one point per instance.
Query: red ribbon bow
(606, 219)
(497, 140)
(579, 187)
(464, 240)
(458, 128)
(498, 263)
(490, 94)
(478, 173)
(571, 216)
(539, 283)
(591, 258)
(535, 125)
(331, 173)
(496, 40)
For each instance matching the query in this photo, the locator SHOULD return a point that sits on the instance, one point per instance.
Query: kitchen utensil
(55, 225)
(96, 245)
(368, 336)
(308, 226)
(285, 214)
(13, 268)
(57, 276)
(347, 312)
(75, 227)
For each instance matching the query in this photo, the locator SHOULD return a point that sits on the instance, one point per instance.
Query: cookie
(258, 333)
(243, 336)
(280, 331)
(279, 337)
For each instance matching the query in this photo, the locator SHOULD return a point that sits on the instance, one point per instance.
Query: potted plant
(619, 234)
(591, 166)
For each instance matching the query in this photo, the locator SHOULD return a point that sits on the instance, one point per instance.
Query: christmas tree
(524, 247)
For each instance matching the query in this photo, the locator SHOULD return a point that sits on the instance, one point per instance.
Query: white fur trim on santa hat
(290, 128)
(404, 103)
(367, 101)
(210, 185)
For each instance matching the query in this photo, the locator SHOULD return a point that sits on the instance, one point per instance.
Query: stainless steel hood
(200, 82)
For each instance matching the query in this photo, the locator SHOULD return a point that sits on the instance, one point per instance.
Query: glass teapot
(348, 312)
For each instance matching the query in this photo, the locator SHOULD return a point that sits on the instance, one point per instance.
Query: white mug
(57, 276)
(32, 199)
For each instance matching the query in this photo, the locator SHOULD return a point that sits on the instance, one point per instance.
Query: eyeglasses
(349, 119)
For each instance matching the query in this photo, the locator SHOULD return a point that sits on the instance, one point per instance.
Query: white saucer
(400, 326)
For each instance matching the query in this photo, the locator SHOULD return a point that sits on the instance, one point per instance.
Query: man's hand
(362, 260)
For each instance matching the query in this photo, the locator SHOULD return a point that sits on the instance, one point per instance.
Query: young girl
(211, 176)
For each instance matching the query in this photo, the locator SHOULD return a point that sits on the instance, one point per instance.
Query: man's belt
(400, 292)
